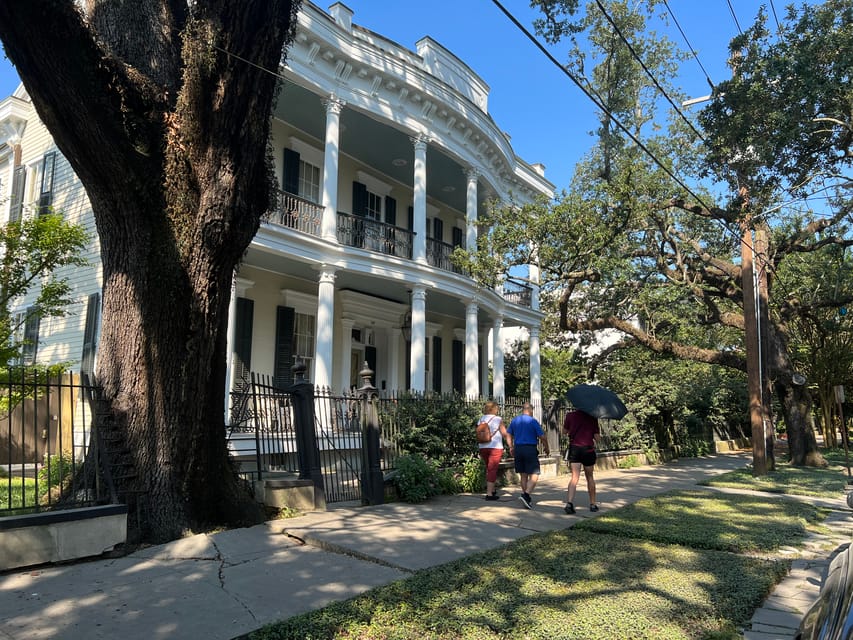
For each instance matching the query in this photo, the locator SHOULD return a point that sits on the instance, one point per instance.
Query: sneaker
(593, 507)
(527, 500)
(569, 508)
(492, 496)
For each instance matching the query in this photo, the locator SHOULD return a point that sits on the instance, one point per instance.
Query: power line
(734, 16)
(775, 17)
(689, 46)
(648, 72)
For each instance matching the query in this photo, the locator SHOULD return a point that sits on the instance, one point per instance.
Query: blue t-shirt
(525, 429)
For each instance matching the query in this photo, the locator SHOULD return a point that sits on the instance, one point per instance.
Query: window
(303, 339)
(309, 181)
(46, 191)
(374, 206)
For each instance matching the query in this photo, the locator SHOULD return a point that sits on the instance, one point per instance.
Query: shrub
(473, 478)
(56, 472)
(416, 479)
(629, 462)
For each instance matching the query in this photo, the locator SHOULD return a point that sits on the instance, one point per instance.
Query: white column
(533, 277)
(333, 106)
(535, 372)
(346, 352)
(239, 286)
(395, 339)
(472, 382)
(471, 209)
(418, 346)
(498, 358)
(325, 327)
(419, 199)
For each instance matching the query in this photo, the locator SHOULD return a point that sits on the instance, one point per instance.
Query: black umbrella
(597, 401)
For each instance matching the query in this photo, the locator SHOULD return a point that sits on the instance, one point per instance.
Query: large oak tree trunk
(167, 126)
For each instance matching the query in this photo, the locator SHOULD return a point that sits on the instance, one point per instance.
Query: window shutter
(457, 375)
(290, 174)
(370, 357)
(243, 341)
(31, 338)
(458, 238)
(19, 179)
(436, 363)
(46, 192)
(87, 359)
(411, 219)
(283, 371)
(390, 210)
(438, 229)
(359, 199)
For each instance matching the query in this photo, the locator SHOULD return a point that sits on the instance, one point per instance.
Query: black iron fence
(47, 434)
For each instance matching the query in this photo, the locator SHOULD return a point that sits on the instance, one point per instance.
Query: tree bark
(170, 141)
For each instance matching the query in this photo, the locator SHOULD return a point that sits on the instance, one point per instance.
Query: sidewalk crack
(334, 548)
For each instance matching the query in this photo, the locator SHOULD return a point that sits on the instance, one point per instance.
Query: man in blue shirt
(524, 435)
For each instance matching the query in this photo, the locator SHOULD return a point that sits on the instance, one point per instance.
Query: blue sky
(547, 116)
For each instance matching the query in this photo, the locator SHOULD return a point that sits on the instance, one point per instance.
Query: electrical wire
(648, 72)
(734, 16)
(689, 46)
(775, 17)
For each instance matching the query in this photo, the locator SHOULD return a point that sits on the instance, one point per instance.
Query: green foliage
(448, 484)
(416, 478)
(438, 427)
(33, 249)
(609, 583)
(55, 472)
(629, 462)
(26, 382)
(473, 476)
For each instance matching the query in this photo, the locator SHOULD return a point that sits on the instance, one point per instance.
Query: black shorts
(585, 455)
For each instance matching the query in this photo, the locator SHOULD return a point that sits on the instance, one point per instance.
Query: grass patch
(799, 481)
(726, 522)
(612, 576)
(23, 494)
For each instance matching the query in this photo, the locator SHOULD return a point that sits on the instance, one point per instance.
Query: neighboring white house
(385, 158)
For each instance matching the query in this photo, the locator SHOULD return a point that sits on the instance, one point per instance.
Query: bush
(473, 478)
(416, 478)
(56, 472)
(629, 462)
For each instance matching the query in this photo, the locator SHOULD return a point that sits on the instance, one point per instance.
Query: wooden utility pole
(762, 252)
(753, 352)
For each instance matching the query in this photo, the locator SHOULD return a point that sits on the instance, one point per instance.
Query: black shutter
(31, 337)
(359, 199)
(483, 392)
(46, 192)
(370, 357)
(19, 179)
(438, 229)
(290, 174)
(458, 355)
(408, 364)
(436, 364)
(390, 210)
(87, 359)
(458, 238)
(411, 219)
(283, 368)
(243, 342)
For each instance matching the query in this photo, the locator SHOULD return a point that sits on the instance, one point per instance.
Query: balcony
(305, 216)
(364, 233)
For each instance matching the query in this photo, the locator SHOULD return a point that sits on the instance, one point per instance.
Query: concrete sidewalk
(222, 585)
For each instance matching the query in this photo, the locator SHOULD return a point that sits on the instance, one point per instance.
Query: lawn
(803, 481)
(662, 568)
(23, 492)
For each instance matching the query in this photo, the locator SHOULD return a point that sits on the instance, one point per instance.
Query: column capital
(472, 306)
(327, 274)
(419, 140)
(333, 104)
(533, 331)
(418, 293)
(472, 173)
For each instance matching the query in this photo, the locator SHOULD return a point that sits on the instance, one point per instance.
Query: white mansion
(386, 159)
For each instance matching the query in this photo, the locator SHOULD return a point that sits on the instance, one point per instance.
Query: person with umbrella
(583, 436)
(591, 402)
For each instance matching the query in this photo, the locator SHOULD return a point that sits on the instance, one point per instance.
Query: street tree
(632, 246)
(162, 108)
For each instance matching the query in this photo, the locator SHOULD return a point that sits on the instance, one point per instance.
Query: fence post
(372, 481)
(307, 451)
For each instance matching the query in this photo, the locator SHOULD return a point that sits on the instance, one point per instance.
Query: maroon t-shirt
(581, 428)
